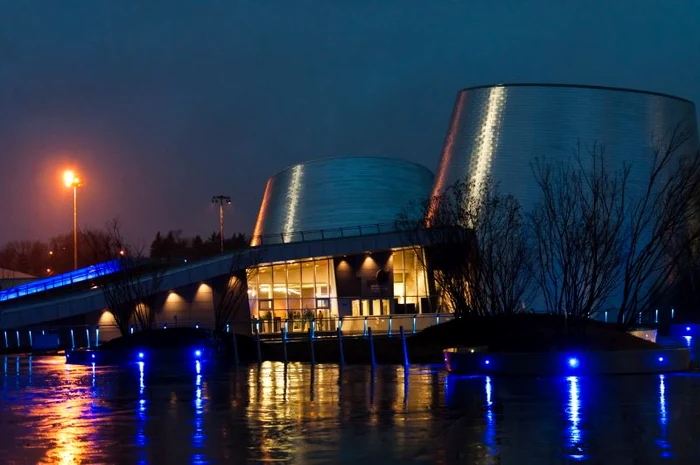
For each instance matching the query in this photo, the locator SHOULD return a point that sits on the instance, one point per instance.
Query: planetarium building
(496, 133)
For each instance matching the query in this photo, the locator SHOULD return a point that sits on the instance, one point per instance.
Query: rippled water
(53, 413)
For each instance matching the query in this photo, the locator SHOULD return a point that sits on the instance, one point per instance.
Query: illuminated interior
(293, 290)
(307, 289)
(410, 279)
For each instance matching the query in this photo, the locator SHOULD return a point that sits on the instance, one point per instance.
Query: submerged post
(235, 348)
(340, 346)
(403, 343)
(311, 345)
(371, 347)
(284, 342)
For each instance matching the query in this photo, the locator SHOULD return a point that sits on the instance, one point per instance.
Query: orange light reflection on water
(286, 400)
(64, 422)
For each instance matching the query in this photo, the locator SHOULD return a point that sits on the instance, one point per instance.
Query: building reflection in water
(575, 445)
(286, 401)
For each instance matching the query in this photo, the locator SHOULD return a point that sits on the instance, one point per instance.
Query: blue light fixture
(141, 355)
(93, 356)
(661, 359)
(687, 328)
(197, 353)
(574, 362)
(487, 362)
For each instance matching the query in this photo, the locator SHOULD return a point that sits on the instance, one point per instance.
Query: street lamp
(71, 180)
(221, 200)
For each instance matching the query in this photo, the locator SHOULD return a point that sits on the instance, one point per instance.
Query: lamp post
(221, 200)
(71, 180)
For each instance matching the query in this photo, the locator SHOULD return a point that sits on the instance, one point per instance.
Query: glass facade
(410, 281)
(298, 291)
(302, 291)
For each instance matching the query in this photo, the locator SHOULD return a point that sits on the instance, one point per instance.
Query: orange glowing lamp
(71, 180)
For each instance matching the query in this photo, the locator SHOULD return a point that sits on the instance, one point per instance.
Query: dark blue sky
(162, 104)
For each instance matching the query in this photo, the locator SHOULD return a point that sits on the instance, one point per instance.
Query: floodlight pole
(221, 200)
(75, 226)
(71, 180)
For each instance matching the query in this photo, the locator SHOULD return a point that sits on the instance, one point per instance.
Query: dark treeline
(173, 246)
(55, 256)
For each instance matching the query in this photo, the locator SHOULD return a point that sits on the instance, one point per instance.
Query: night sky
(162, 104)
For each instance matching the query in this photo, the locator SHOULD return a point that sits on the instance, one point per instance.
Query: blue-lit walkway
(55, 282)
(92, 300)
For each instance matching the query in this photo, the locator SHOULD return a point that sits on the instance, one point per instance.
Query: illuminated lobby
(351, 287)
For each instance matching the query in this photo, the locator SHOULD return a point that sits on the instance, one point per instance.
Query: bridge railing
(351, 325)
(89, 336)
(323, 234)
(63, 279)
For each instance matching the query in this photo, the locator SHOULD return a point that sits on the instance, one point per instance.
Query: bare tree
(234, 289)
(609, 235)
(662, 223)
(577, 228)
(130, 291)
(477, 244)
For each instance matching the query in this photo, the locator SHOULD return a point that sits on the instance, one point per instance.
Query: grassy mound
(527, 333)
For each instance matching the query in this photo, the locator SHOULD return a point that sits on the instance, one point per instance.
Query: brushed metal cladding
(497, 132)
(338, 193)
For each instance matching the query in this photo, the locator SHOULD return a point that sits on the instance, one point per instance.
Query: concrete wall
(185, 306)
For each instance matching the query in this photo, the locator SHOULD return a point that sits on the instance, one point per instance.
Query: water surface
(208, 413)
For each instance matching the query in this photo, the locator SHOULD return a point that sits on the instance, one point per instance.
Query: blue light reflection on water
(198, 435)
(142, 416)
(662, 441)
(490, 434)
(575, 435)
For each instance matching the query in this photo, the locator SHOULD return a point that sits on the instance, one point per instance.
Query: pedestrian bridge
(336, 242)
